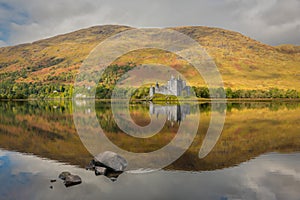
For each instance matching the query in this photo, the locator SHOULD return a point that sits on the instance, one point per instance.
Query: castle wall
(173, 87)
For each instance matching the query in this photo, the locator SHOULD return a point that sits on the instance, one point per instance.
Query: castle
(174, 86)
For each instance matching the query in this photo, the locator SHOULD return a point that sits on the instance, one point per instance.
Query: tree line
(103, 91)
(204, 92)
(10, 88)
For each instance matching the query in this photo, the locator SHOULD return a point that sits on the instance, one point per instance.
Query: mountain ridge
(244, 63)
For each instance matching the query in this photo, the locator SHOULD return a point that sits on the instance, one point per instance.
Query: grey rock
(91, 165)
(72, 180)
(113, 176)
(63, 175)
(100, 171)
(111, 160)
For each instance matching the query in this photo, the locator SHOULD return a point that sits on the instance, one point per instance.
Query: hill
(244, 63)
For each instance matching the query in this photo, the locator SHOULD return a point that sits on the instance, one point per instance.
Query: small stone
(53, 180)
(100, 171)
(90, 166)
(63, 175)
(51, 187)
(72, 180)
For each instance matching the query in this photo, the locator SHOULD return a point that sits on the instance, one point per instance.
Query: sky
(272, 22)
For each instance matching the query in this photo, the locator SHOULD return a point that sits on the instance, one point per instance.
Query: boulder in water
(111, 161)
(72, 180)
(63, 175)
(69, 179)
(100, 171)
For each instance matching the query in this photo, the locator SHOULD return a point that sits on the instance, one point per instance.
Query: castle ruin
(175, 86)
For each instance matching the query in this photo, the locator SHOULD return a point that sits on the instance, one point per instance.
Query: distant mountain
(243, 62)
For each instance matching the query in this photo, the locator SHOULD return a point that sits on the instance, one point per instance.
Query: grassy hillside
(243, 62)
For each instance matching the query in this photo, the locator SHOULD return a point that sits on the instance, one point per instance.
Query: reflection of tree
(42, 128)
(176, 113)
(105, 118)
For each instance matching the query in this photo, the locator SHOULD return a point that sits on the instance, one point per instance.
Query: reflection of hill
(46, 129)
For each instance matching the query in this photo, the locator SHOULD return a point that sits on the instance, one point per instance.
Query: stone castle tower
(175, 86)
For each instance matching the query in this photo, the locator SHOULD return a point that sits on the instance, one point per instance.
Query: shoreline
(181, 100)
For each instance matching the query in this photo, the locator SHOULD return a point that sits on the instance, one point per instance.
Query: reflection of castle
(174, 86)
(175, 113)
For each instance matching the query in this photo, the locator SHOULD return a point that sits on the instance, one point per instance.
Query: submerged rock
(110, 160)
(69, 179)
(72, 180)
(63, 175)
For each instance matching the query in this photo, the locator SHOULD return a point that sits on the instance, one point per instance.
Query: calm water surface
(257, 155)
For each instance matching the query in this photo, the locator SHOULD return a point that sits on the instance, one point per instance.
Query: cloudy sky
(270, 176)
(270, 21)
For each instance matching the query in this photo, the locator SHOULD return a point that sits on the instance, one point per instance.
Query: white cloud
(273, 21)
(3, 44)
(271, 176)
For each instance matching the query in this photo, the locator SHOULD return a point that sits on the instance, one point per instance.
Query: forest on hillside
(10, 89)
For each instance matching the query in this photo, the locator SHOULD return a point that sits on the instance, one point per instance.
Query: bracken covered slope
(243, 62)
